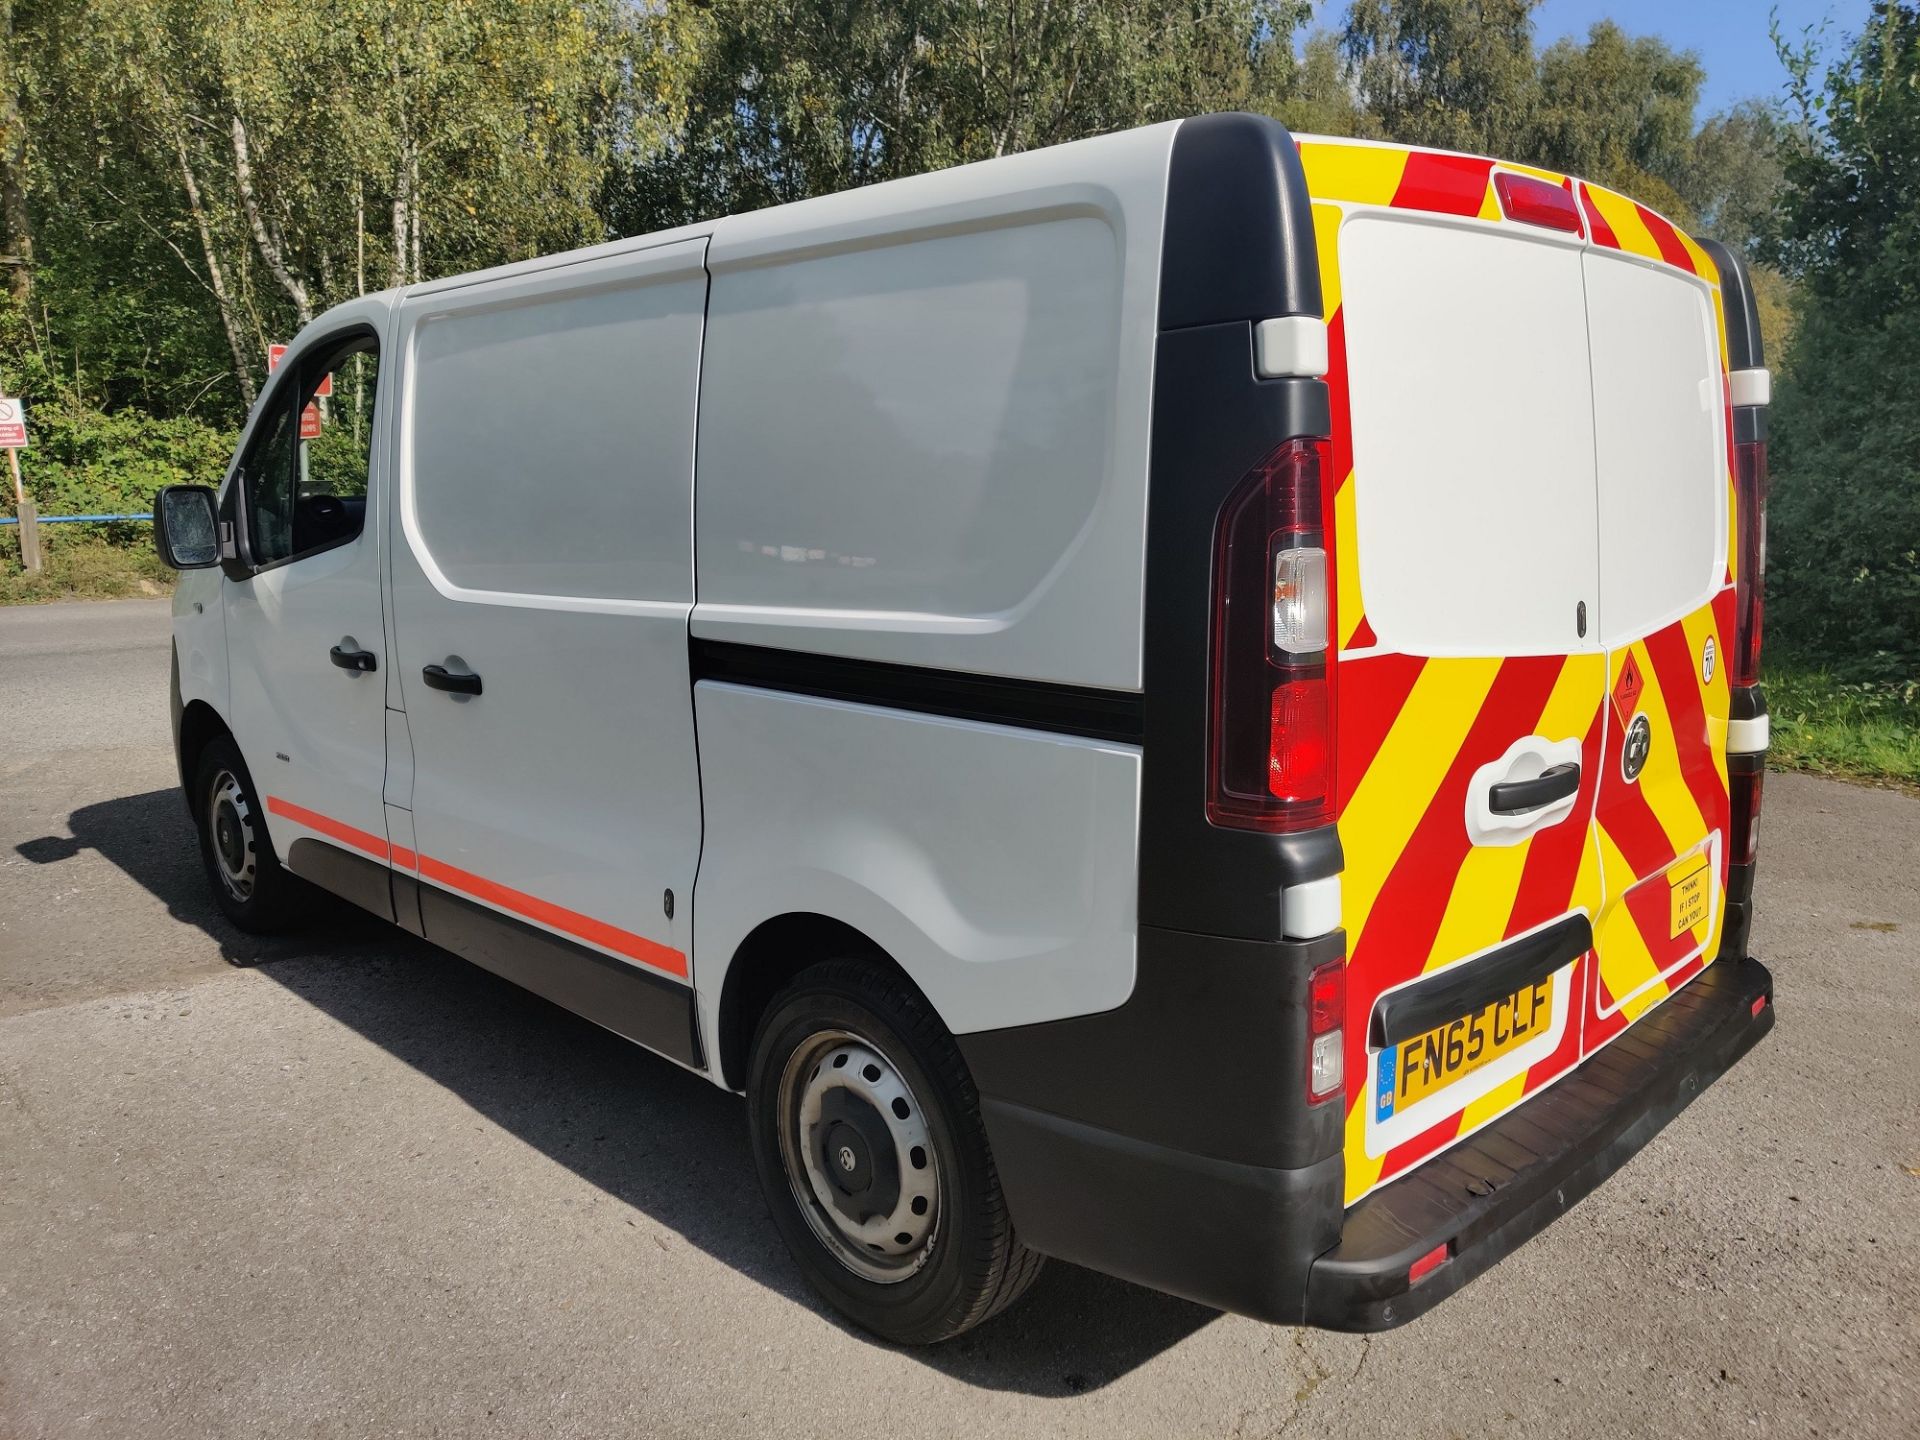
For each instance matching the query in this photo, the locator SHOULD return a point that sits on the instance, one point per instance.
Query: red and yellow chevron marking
(1417, 893)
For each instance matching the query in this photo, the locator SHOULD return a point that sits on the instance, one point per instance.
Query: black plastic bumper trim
(1467, 988)
(1235, 1237)
(1503, 1185)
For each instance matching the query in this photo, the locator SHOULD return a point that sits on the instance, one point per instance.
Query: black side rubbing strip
(1464, 989)
(1032, 704)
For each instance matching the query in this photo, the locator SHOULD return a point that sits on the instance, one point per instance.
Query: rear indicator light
(1428, 1263)
(1749, 591)
(1533, 201)
(1744, 789)
(1270, 717)
(1326, 1014)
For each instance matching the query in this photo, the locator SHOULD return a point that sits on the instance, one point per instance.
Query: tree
(1617, 110)
(1458, 74)
(792, 98)
(1845, 582)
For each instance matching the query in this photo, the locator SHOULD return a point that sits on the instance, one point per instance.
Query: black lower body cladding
(1168, 1141)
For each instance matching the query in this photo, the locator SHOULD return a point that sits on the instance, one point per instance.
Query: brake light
(1326, 1014)
(1533, 201)
(1270, 722)
(1749, 591)
(1744, 788)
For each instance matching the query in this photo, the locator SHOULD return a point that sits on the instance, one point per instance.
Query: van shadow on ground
(644, 1131)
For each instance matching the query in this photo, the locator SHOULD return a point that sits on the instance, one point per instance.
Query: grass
(1839, 727)
(82, 566)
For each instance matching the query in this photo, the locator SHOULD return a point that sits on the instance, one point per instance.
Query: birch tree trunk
(216, 277)
(265, 238)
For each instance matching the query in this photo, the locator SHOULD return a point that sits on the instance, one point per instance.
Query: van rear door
(1665, 614)
(1470, 675)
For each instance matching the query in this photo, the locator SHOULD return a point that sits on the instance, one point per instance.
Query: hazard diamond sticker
(1626, 690)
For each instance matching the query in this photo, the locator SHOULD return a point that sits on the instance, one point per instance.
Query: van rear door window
(1472, 436)
(1660, 440)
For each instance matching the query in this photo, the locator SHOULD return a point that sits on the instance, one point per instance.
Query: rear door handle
(1517, 797)
(438, 677)
(359, 660)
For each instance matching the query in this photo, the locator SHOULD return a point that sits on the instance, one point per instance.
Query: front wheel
(252, 888)
(870, 1150)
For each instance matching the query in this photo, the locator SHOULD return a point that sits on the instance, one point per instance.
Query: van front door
(304, 628)
(542, 581)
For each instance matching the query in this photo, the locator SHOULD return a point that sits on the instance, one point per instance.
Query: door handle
(438, 677)
(1516, 797)
(357, 660)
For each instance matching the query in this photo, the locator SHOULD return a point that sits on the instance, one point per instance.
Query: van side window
(305, 477)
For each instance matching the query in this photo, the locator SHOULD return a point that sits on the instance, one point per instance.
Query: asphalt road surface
(364, 1189)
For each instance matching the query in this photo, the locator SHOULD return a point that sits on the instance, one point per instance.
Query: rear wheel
(252, 888)
(869, 1147)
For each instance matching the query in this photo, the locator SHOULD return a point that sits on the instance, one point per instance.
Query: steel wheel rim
(230, 836)
(887, 1231)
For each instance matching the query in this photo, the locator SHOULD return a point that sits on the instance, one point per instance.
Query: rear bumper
(1506, 1183)
(1271, 1240)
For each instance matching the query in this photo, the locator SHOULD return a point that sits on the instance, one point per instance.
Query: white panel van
(1186, 702)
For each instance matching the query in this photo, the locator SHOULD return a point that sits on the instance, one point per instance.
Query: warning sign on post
(13, 424)
(277, 353)
(310, 422)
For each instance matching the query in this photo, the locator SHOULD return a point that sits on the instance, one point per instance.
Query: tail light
(1749, 591)
(1270, 723)
(1326, 1012)
(1533, 201)
(1744, 788)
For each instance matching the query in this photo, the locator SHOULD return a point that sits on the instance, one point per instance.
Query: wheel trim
(231, 839)
(885, 1248)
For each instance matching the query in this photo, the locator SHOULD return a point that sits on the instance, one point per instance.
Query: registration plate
(1414, 1069)
(1690, 885)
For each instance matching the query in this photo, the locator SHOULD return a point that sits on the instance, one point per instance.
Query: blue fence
(73, 519)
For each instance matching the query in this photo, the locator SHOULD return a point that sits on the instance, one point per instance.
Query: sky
(1730, 36)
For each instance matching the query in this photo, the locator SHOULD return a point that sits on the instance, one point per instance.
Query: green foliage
(1844, 582)
(82, 564)
(84, 462)
(1459, 74)
(791, 98)
(1843, 727)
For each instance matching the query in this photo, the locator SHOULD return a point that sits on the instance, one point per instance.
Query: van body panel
(543, 541)
(924, 431)
(994, 864)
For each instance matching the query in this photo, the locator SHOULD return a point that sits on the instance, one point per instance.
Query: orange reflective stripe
(543, 912)
(328, 826)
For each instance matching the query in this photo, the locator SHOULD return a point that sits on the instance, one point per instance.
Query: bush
(84, 462)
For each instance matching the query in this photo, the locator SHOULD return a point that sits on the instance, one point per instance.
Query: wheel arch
(773, 952)
(200, 725)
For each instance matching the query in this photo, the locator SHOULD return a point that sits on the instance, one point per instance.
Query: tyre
(252, 888)
(867, 1138)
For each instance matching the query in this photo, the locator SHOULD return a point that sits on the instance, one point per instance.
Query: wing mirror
(186, 528)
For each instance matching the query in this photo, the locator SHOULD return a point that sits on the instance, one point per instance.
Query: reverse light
(1749, 590)
(1326, 1015)
(1533, 201)
(1270, 721)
